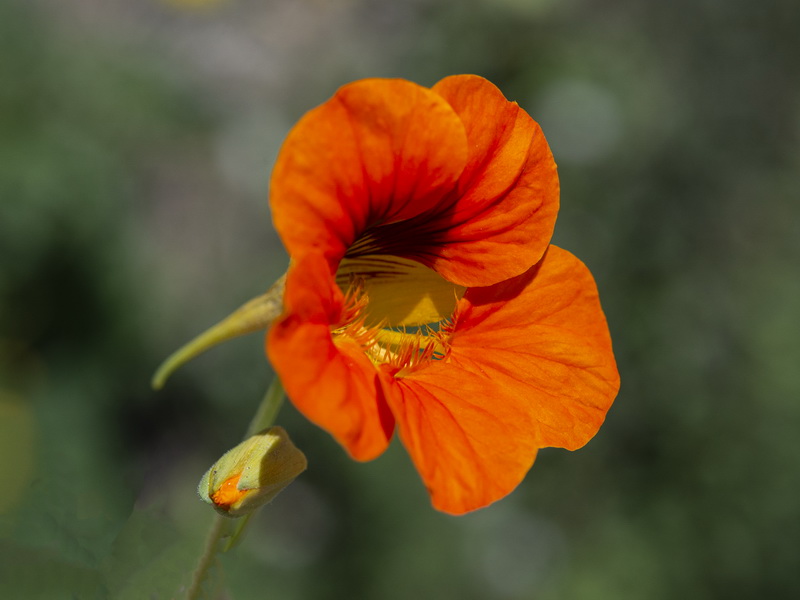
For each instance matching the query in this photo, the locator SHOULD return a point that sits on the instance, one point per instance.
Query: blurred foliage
(135, 146)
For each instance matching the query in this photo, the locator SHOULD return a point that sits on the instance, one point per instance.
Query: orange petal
(508, 192)
(468, 452)
(530, 366)
(378, 151)
(333, 384)
(456, 178)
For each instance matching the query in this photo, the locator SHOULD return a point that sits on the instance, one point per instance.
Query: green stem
(219, 527)
(268, 409)
(223, 527)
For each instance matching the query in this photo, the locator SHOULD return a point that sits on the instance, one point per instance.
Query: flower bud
(251, 474)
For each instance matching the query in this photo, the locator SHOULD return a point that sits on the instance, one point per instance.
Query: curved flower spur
(423, 293)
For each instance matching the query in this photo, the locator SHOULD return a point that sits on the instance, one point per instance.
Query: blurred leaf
(151, 558)
(17, 453)
(40, 575)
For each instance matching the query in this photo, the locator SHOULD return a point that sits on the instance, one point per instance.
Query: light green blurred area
(136, 141)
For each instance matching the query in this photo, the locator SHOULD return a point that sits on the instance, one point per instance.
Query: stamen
(412, 350)
(352, 321)
(401, 349)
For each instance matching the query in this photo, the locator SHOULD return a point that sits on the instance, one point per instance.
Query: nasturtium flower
(423, 294)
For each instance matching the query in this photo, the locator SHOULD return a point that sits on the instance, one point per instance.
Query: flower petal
(508, 192)
(530, 366)
(332, 383)
(456, 178)
(379, 151)
(468, 449)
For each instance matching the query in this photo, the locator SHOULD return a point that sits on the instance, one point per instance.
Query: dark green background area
(136, 142)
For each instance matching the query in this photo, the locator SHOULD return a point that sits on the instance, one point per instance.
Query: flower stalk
(254, 315)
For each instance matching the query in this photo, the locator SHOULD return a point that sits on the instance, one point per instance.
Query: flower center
(397, 310)
(401, 292)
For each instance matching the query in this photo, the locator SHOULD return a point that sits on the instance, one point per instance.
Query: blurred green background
(136, 142)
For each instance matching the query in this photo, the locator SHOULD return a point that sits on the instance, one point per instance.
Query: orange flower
(423, 293)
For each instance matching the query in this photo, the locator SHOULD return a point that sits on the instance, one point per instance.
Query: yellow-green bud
(251, 474)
